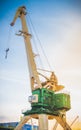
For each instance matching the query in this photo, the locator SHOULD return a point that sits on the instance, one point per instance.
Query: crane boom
(30, 56)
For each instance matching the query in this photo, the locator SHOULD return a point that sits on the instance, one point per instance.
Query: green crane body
(48, 102)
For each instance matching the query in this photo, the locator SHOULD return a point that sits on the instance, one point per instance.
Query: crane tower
(45, 102)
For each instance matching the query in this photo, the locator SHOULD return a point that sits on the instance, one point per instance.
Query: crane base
(40, 111)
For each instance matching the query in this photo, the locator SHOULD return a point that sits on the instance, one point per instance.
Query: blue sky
(58, 25)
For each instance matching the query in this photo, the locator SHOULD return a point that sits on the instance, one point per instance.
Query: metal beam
(22, 122)
(43, 122)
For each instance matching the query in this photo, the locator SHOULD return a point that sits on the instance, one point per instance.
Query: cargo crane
(45, 103)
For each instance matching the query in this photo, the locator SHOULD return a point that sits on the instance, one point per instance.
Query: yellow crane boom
(21, 12)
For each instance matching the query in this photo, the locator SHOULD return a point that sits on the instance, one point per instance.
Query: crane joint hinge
(22, 33)
(22, 10)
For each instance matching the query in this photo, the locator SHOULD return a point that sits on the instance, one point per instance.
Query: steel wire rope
(7, 48)
(40, 44)
(31, 28)
(7, 44)
(9, 38)
(34, 41)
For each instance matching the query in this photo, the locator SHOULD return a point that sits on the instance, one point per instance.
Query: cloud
(13, 76)
(66, 43)
(3, 118)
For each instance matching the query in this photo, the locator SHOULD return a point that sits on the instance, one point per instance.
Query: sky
(57, 23)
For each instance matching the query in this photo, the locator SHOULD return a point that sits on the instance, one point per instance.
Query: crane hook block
(7, 50)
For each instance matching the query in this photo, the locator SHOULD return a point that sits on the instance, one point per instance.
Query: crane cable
(30, 29)
(35, 45)
(8, 43)
(40, 43)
